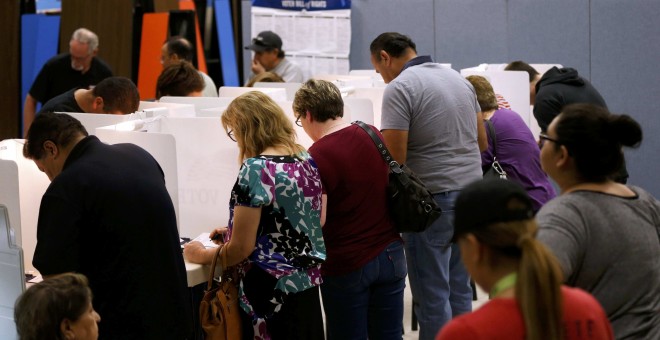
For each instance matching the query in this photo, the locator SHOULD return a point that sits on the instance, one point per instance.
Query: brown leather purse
(219, 309)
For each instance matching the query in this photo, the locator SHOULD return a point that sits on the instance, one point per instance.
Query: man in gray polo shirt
(429, 122)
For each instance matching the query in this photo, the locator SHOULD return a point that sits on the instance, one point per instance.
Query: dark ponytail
(594, 138)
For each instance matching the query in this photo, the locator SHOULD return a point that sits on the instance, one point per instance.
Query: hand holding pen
(218, 235)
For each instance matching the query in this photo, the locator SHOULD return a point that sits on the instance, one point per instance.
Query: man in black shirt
(79, 68)
(107, 215)
(114, 95)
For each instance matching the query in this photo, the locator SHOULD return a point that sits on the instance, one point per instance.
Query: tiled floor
(407, 311)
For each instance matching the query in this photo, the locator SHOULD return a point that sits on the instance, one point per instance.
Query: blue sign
(298, 5)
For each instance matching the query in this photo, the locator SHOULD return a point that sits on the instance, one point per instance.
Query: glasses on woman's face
(298, 122)
(230, 134)
(543, 137)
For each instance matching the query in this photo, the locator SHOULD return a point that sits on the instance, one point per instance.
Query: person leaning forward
(107, 215)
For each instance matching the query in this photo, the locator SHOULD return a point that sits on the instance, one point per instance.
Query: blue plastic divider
(225, 29)
(39, 42)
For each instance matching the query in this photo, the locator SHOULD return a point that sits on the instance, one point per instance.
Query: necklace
(503, 284)
(327, 131)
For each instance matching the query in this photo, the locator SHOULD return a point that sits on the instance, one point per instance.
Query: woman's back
(610, 246)
(518, 153)
(354, 177)
(500, 318)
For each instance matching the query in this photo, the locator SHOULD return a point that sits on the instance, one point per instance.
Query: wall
(613, 43)
(10, 106)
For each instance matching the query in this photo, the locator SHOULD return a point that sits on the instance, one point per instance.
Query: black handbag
(411, 205)
(495, 171)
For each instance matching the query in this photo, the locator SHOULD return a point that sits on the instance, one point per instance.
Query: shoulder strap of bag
(382, 149)
(215, 259)
(492, 136)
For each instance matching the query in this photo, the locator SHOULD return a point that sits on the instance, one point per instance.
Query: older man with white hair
(78, 68)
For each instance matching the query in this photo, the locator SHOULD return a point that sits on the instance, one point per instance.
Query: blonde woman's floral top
(289, 244)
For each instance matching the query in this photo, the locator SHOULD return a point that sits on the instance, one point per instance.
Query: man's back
(438, 108)
(109, 216)
(57, 77)
(558, 88)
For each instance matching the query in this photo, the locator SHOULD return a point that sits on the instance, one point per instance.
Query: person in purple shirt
(517, 150)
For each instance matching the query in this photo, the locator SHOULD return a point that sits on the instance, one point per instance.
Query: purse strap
(213, 264)
(382, 149)
(492, 137)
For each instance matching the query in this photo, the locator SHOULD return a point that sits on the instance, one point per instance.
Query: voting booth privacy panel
(12, 277)
(21, 187)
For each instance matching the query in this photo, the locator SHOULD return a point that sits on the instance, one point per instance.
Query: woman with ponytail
(495, 230)
(605, 235)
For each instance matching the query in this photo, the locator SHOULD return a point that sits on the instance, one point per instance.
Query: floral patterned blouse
(289, 243)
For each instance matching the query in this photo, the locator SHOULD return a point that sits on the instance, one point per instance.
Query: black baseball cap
(265, 41)
(489, 201)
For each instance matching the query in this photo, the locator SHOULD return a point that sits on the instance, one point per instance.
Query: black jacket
(558, 88)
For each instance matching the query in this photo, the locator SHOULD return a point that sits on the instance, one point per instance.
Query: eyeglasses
(543, 137)
(298, 122)
(230, 134)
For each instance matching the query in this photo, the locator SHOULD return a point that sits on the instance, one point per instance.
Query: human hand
(192, 251)
(257, 68)
(218, 235)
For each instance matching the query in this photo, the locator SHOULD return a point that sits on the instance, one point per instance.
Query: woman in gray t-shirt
(606, 235)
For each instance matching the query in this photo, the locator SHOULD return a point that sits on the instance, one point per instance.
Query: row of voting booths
(200, 161)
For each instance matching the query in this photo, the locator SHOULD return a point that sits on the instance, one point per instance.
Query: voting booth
(12, 275)
(22, 185)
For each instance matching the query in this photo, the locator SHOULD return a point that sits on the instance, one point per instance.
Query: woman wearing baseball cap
(495, 229)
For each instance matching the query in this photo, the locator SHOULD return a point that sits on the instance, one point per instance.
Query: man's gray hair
(85, 36)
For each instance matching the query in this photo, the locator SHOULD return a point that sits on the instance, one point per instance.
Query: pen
(216, 236)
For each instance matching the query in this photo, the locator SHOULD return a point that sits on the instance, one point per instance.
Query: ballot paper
(205, 239)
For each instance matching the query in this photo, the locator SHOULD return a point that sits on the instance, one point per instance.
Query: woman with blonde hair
(274, 235)
(496, 232)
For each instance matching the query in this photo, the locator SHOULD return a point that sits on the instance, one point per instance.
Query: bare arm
(482, 138)
(241, 245)
(324, 208)
(397, 142)
(29, 112)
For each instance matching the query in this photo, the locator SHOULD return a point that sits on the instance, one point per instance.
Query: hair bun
(626, 130)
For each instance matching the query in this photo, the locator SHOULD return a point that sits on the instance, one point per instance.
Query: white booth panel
(214, 112)
(512, 85)
(169, 109)
(290, 88)
(12, 276)
(233, 92)
(359, 109)
(207, 168)
(342, 80)
(161, 146)
(22, 185)
(92, 121)
(540, 68)
(374, 94)
(200, 103)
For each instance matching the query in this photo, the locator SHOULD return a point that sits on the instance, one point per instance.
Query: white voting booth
(512, 85)
(290, 88)
(233, 92)
(21, 187)
(12, 276)
(200, 104)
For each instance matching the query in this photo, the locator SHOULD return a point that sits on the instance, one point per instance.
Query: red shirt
(354, 176)
(500, 318)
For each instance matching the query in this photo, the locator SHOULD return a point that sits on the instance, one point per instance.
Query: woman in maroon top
(364, 273)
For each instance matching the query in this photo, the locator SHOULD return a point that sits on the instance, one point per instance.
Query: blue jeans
(368, 302)
(439, 283)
